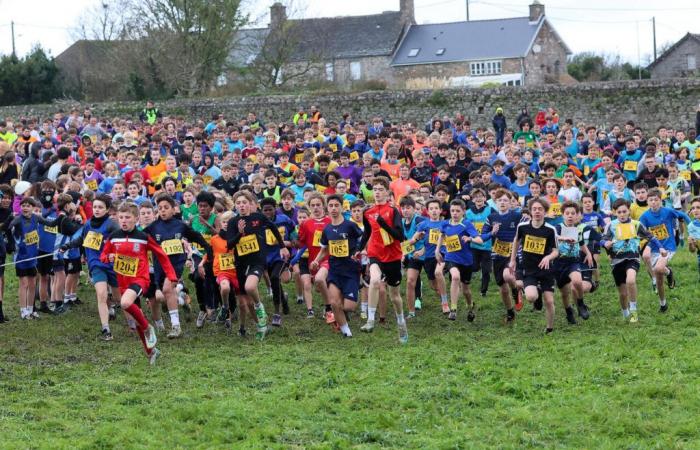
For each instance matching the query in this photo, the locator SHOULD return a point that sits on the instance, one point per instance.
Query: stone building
(680, 60)
(514, 52)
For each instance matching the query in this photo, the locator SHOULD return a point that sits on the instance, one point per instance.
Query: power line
(574, 8)
(565, 19)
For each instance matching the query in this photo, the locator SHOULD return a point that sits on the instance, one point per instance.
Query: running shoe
(519, 300)
(670, 279)
(241, 332)
(363, 315)
(445, 308)
(411, 315)
(175, 332)
(300, 300)
(150, 336)
(403, 333)
(570, 316)
(227, 324)
(44, 308)
(653, 287)
(112, 313)
(310, 314)
(106, 335)
(663, 308)
(276, 320)
(76, 301)
(510, 317)
(330, 317)
(160, 326)
(35, 315)
(594, 286)
(471, 315)
(368, 327)
(583, 310)
(262, 315)
(452, 315)
(222, 315)
(633, 317)
(201, 317)
(419, 304)
(155, 353)
(260, 332)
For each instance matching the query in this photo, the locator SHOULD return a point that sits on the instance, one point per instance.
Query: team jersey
(594, 220)
(625, 238)
(661, 224)
(130, 250)
(569, 251)
(536, 243)
(92, 238)
(342, 242)
(223, 259)
(409, 230)
(455, 249)
(694, 229)
(381, 245)
(310, 235)
(286, 227)
(26, 235)
(249, 247)
(169, 235)
(431, 233)
(637, 208)
(502, 241)
(478, 218)
(629, 163)
(48, 235)
(205, 228)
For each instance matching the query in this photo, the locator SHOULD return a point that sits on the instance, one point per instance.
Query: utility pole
(12, 27)
(467, 10)
(653, 31)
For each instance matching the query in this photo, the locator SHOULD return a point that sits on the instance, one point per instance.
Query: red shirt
(310, 235)
(381, 245)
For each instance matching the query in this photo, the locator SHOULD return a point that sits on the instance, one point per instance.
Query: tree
(101, 22)
(588, 66)
(32, 79)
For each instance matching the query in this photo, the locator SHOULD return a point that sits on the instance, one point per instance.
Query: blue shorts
(101, 274)
(349, 286)
(563, 269)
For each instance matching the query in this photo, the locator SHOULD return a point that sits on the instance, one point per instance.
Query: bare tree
(103, 21)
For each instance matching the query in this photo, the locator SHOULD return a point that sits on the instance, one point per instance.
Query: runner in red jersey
(127, 248)
(310, 237)
(383, 233)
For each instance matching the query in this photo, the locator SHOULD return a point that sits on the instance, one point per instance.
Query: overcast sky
(615, 27)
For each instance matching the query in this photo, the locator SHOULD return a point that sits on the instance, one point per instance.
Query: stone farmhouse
(680, 60)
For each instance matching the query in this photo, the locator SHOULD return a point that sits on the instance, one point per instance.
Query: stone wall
(649, 103)
(546, 65)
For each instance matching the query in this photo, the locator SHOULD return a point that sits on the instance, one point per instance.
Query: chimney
(407, 10)
(536, 11)
(278, 14)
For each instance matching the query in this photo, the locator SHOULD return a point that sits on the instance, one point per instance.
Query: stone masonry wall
(649, 103)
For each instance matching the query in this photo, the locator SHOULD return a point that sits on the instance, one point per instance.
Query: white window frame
(355, 70)
(483, 68)
(329, 71)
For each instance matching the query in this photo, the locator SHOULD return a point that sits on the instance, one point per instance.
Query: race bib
(685, 174)
(555, 209)
(172, 247)
(697, 153)
(247, 245)
(91, 184)
(31, 238)
(207, 179)
(453, 244)
(93, 240)
(52, 230)
(354, 156)
(479, 226)
(625, 231)
(339, 248)
(659, 231)
(386, 238)
(226, 261)
(197, 247)
(534, 244)
(407, 248)
(320, 188)
(126, 265)
(317, 238)
(630, 166)
(434, 236)
(270, 237)
(298, 158)
(502, 248)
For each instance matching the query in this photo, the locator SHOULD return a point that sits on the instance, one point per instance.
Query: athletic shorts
(152, 288)
(587, 272)
(101, 274)
(620, 270)
(245, 272)
(391, 271)
(304, 266)
(231, 278)
(72, 265)
(499, 265)
(138, 289)
(655, 256)
(465, 272)
(349, 286)
(415, 264)
(430, 265)
(3, 257)
(30, 272)
(159, 276)
(59, 265)
(542, 278)
(44, 265)
(562, 270)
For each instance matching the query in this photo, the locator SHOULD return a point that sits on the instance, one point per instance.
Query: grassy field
(601, 384)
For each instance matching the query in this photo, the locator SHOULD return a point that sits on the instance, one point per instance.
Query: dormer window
(440, 52)
(413, 52)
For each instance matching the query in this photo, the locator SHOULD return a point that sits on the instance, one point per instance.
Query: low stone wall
(649, 103)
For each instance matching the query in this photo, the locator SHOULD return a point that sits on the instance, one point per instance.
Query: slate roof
(467, 41)
(672, 48)
(247, 46)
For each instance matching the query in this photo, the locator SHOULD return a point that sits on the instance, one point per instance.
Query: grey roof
(350, 36)
(248, 42)
(672, 48)
(465, 41)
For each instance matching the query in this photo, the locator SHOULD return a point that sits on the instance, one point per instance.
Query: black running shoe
(570, 315)
(285, 303)
(663, 308)
(537, 305)
(76, 301)
(670, 280)
(583, 310)
(594, 286)
(44, 308)
(471, 316)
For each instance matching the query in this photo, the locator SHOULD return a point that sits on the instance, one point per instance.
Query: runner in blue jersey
(428, 231)
(341, 240)
(595, 221)
(478, 215)
(661, 222)
(456, 234)
(413, 253)
(48, 241)
(694, 229)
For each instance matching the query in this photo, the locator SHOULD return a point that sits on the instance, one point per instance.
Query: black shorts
(482, 260)
(563, 270)
(3, 256)
(72, 266)
(415, 264)
(465, 272)
(587, 272)
(152, 288)
(499, 265)
(44, 265)
(620, 270)
(58, 265)
(242, 273)
(159, 276)
(391, 271)
(138, 289)
(30, 272)
(304, 266)
(430, 264)
(543, 278)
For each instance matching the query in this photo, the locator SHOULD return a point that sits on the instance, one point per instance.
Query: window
(355, 70)
(329, 71)
(440, 52)
(222, 80)
(413, 52)
(692, 64)
(485, 68)
(278, 76)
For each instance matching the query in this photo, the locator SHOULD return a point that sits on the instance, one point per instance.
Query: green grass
(601, 384)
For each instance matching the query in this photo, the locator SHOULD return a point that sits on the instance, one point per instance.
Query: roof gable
(672, 48)
(466, 41)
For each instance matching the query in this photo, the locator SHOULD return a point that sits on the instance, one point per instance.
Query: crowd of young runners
(161, 211)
